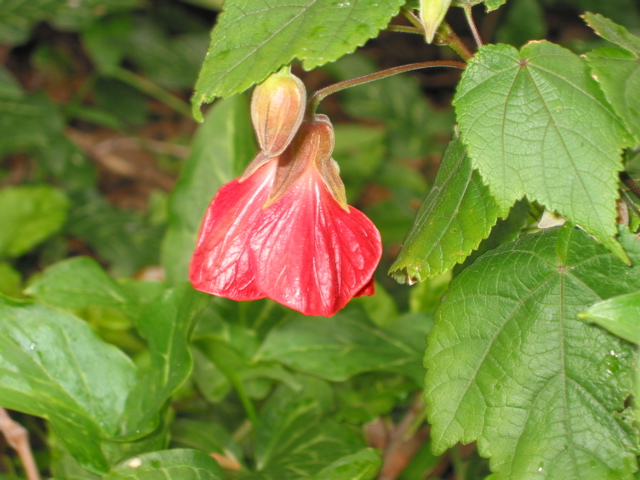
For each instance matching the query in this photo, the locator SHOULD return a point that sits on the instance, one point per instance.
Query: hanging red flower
(284, 231)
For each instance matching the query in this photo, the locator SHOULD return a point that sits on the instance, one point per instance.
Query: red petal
(313, 255)
(368, 290)
(223, 263)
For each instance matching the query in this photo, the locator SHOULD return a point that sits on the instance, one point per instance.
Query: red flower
(284, 231)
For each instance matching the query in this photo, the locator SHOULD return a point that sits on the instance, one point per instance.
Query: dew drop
(32, 346)
(135, 462)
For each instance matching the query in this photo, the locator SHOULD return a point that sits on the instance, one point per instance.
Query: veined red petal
(311, 254)
(223, 263)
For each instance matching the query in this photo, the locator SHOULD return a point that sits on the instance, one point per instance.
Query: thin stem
(472, 24)
(336, 87)
(630, 203)
(404, 29)
(408, 13)
(630, 183)
(458, 464)
(151, 89)
(446, 36)
(18, 438)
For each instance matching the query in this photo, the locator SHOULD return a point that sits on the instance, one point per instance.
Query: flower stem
(336, 87)
(405, 29)
(472, 24)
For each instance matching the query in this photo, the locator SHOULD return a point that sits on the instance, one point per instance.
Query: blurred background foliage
(99, 157)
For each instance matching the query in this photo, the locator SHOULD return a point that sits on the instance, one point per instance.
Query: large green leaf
(54, 366)
(253, 39)
(620, 315)
(510, 365)
(342, 346)
(455, 217)
(535, 123)
(28, 215)
(221, 148)
(178, 464)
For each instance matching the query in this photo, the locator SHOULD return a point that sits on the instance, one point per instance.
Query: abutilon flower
(432, 14)
(284, 231)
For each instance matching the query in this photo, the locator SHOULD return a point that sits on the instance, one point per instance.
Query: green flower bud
(277, 108)
(432, 13)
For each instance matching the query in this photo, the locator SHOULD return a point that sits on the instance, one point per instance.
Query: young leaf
(620, 315)
(510, 365)
(253, 39)
(221, 148)
(53, 366)
(456, 215)
(614, 33)
(535, 123)
(177, 464)
(618, 72)
(347, 344)
(28, 215)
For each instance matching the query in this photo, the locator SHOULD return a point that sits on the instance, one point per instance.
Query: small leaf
(29, 215)
(455, 217)
(618, 72)
(78, 282)
(535, 123)
(339, 347)
(614, 33)
(53, 366)
(253, 39)
(493, 4)
(175, 464)
(510, 365)
(166, 326)
(221, 149)
(620, 315)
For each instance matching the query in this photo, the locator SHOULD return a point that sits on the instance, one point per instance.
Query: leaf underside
(510, 365)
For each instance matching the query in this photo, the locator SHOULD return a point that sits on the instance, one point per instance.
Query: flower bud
(432, 13)
(277, 108)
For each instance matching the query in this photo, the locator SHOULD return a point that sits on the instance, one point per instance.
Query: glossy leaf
(29, 215)
(618, 72)
(455, 217)
(510, 365)
(176, 464)
(53, 366)
(222, 147)
(166, 325)
(253, 39)
(620, 315)
(342, 346)
(78, 282)
(535, 123)
(363, 465)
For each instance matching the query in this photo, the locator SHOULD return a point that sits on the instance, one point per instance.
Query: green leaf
(10, 281)
(166, 325)
(363, 465)
(618, 72)
(252, 39)
(78, 282)
(620, 315)
(175, 464)
(339, 347)
(294, 437)
(455, 217)
(206, 436)
(221, 149)
(493, 4)
(29, 215)
(53, 366)
(535, 123)
(614, 33)
(510, 365)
